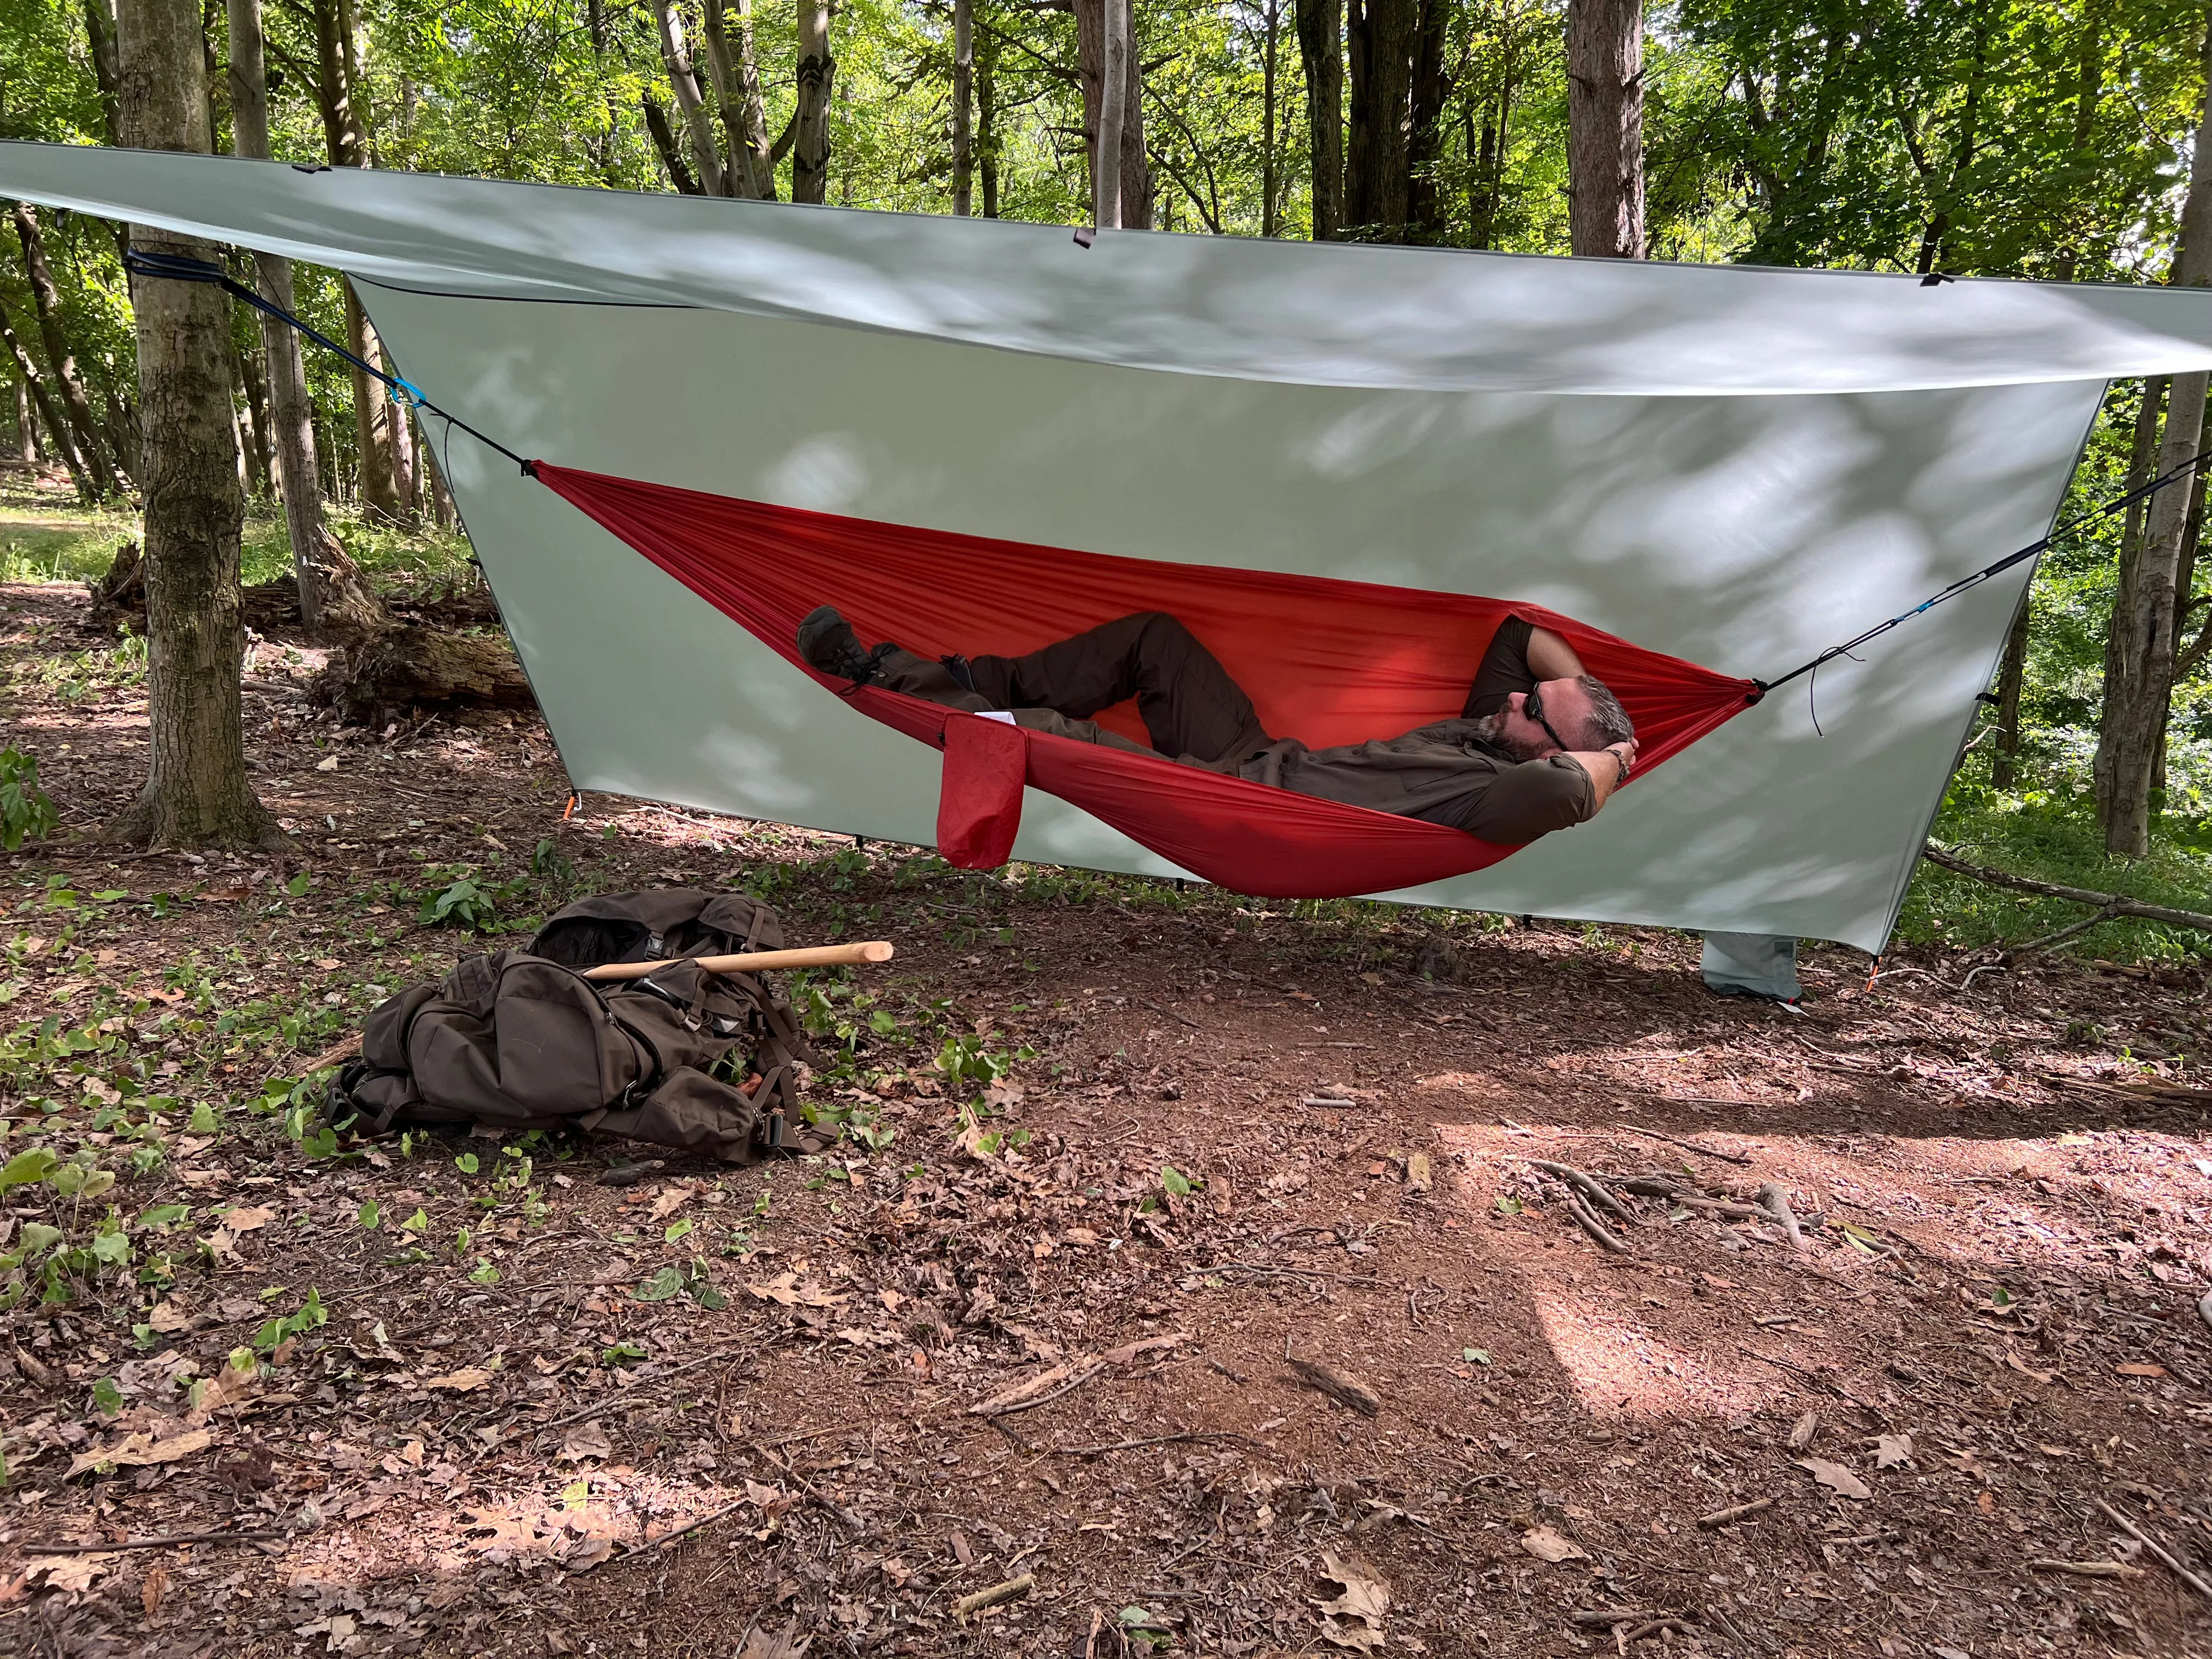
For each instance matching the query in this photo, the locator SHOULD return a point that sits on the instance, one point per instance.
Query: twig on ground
(2159, 1550)
(1736, 1512)
(1605, 1618)
(1774, 1199)
(1013, 1590)
(1304, 1272)
(1590, 1224)
(1587, 1184)
(668, 1538)
(1151, 1440)
(1686, 1146)
(167, 1541)
(1653, 1629)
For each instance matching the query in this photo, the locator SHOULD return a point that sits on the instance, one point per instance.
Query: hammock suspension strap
(1966, 584)
(177, 268)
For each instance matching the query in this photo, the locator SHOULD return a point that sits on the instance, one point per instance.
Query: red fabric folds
(1324, 660)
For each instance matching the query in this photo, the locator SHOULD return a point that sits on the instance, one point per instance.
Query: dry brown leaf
(140, 1449)
(1354, 1619)
(1067, 1374)
(585, 1440)
(2141, 1368)
(167, 1316)
(1546, 1544)
(1802, 1430)
(759, 1644)
(670, 1202)
(230, 1386)
(1133, 1351)
(785, 1290)
(467, 1380)
(246, 1219)
(150, 1593)
(71, 1573)
(1835, 1477)
(1893, 1451)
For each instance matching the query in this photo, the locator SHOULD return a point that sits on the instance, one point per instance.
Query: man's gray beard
(1491, 728)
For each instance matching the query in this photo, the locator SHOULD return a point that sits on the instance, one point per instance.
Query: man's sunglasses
(1533, 707)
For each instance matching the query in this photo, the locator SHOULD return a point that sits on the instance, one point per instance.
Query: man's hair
(1608, 721)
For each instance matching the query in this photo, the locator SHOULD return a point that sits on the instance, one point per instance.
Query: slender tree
(34, 384)
(736, 74)
(684, 81)
(963, 92)
(1320, 49)
(195, 793)
(1105, 30)
(69, 384)
(810, 151)
(2145, 630)
(1270, 180)
(1605, 127)
(987, 119)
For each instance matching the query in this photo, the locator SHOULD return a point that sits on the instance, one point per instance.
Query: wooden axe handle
(755, 962)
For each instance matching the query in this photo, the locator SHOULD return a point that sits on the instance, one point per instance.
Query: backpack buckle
(775, 1130)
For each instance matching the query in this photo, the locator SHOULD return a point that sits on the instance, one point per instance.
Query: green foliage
(465, 904)
(26, 813)
(310, 1314)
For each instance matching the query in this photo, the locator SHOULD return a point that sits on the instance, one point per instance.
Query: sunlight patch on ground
(1619, 1367)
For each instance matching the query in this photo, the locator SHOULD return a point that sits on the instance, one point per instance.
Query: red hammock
(1327, 661)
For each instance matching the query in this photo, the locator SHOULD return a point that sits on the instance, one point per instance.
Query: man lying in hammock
(1540, 745)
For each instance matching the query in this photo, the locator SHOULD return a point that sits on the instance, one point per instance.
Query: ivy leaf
(369, 1216)
(661, 1286)
(106, 1396)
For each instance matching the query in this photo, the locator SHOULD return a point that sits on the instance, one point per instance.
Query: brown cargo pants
(1194, 710)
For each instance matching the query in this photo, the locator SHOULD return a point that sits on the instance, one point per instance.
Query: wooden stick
(170, 1541)
(756, 961)
(2159, 1550)
(1737, 1512)
(1013, 1590)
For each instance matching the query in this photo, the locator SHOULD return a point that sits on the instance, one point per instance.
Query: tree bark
(809, 150)
(1426, 218)
(100, 36)
(27, 432)
(253, 435)
(987, 120)
(684, 81)
(334, 92)
(1131, 185)
(1270, 186)
(1320, 50)
(46, 301)
(2004, 765)
(1382, 33)
(964, 75)
(2139, 680)
(196, 792)
(56, 433)
(1605, 127)
(735, 74)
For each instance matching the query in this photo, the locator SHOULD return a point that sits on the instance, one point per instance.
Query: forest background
(2009, 137)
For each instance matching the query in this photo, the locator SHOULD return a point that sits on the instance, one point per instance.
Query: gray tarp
(1738, 466)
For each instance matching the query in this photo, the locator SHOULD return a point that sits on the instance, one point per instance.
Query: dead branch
(1013, 1590)
(2115, 904)
(1590, 1187)
(1686, 1146)
(1150, 1440)
(2159, 1550)
(1736, 1512)
(167, 1541)
(1590, 1224)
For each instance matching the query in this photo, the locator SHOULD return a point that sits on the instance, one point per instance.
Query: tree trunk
(2004, 765)
(1104, 27)
(964, 75)
(253, 422)
(100, 36)
(46, 300)
(58, 435)
(379, 491)
(1382, 35)
(1320, 49)
(1270, 186)
(27, 433)
(334, 92)
(442, 512)
(290, 410)
(987, 120)
(684, 81)
(2139, 684)
(809, 150)
(664, 140)
(196, 792)
(1426, 218)
(735, 74)
(1605, 127)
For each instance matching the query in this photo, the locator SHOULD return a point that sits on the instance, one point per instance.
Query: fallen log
(2114, 905)
(427, 668)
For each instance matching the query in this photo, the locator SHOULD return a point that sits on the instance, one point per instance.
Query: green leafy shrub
(25, 811)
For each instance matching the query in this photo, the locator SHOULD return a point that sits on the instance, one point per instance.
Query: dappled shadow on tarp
(1325, 660)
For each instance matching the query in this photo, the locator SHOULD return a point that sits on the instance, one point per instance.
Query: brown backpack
(522, 1040)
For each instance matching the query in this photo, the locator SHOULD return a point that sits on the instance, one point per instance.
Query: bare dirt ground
(1291, 1343)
